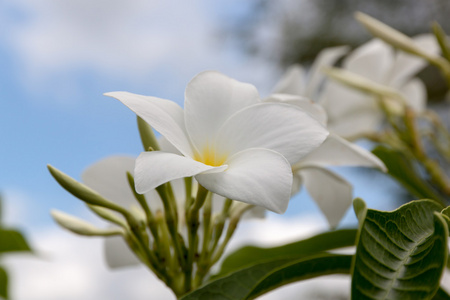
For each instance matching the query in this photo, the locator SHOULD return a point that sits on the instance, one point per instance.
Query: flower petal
(283, 128)
(255, 176)
(164, 116)
(350, 113)
(314, 110)
(415, 94)
(118, 254)
(166, 146)
(355, 124)
(372, 60)
(108, 177)
(325, 58)
(210, 98)
(256, 212)
(335, 199)
(340, 101)
(292, 82)
(155, 168)
(336, 151)
(407, 65)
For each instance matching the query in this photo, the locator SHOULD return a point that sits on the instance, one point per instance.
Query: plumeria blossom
(296, 81)
(312, 172)
(353, 114)
(108, 177)
(234, 144)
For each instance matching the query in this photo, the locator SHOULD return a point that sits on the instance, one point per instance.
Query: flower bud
(81, 227)
(400, 41)
(82, 191)
(361, 83)
(392, 36)
(108, 215)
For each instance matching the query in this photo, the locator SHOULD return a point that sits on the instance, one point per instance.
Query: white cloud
(114, 35)
(71, 267)
(125, 40)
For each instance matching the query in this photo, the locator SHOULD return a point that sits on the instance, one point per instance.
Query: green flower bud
(81, 227)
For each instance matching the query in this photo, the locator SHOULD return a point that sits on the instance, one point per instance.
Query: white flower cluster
(230, 153)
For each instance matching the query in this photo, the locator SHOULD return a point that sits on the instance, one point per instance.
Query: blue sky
(58, 61)
(58, 58)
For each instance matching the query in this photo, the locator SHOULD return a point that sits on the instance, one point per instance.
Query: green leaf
(312, 267)
(400, 254)
(12, 241)
(360, 208)
(3, 283)
(441, 295)
(446, 215)
(446, 212)
(402, 169)
(255, 280)
(251, 255)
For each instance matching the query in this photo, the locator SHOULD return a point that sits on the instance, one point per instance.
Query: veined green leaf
(251, 255)
(446, 213)
(400, 254)
(3, 284)
(404, 172)
(441, 295)
(258, 279)
(12, 241)
(324, 264)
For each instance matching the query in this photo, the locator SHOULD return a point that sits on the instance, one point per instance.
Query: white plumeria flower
(296, 81)
(234, 145)
(108, 178)
(217, 200)
(352, 113)
(311, 171)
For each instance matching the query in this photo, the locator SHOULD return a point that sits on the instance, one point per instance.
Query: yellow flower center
(209, 156)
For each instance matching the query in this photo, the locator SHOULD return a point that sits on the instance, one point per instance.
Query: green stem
(149, 261)
(234, 221)
(138, 239)
(148, 213)
(207, 209)
(188, 195)
(205, 264)
(193, 223)
(171, 221)
(221, 223)
(163, 247)
(437, 175)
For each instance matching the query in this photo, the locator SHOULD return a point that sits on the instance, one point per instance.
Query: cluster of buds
(230, 154)
(416, 133)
